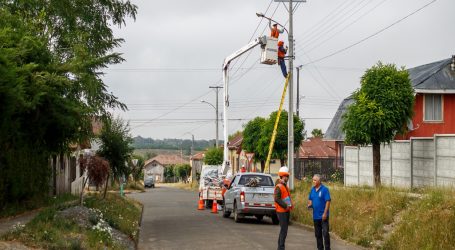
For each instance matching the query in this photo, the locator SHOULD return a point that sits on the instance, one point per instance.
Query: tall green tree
(280, 148)
(317, 133)
(383, 105)
(214, 156)
(115, 146)
(251, 136)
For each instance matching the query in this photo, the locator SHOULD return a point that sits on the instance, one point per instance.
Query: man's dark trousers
(321, 230)
(284, 223)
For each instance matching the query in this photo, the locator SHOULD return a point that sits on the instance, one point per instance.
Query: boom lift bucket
(269, 53)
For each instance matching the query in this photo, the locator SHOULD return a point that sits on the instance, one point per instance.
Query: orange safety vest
(284, 194)
(274, 32)
(281, 54)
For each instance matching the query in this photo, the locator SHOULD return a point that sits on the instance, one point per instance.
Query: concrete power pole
(217, 89)
(291, 101)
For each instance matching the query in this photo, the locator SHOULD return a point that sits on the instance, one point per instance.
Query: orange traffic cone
(214, 206)
(201, 204)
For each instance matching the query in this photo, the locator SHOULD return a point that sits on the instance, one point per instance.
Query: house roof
(436, 77)
(317, 148)
(236, 142)
(166, 160)
(334, 132)
(198, 156)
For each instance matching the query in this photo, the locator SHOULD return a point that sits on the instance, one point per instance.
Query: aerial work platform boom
(268, 56)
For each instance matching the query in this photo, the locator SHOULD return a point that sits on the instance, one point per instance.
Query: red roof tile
(317, 148)
(198, 156)
(236, 142)
(167, 160)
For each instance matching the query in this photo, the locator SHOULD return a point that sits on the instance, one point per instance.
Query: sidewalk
(7, 224)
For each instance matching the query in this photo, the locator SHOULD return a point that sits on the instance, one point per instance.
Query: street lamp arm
(203, 101)
(270, 19)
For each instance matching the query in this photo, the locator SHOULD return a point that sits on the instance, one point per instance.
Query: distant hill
(172, 144)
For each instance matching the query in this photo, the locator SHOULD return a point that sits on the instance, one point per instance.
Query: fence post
(411, 140)
(358, 165)
(391, 165)
(435, 138)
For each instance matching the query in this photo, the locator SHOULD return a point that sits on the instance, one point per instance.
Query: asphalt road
(171, 221)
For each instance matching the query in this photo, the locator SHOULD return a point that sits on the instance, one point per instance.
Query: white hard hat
(284, 171)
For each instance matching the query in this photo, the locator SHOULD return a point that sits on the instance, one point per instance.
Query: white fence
(412, 163)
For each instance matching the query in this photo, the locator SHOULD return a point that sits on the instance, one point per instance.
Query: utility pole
(217, 89)
(297, 108)
(291, 103)
(193, 168)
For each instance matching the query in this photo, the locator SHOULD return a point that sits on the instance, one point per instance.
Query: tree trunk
(82, 191)
(262, 166)
(105, 186)
(377, 164)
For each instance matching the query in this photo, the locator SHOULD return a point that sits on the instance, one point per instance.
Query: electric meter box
(270, 51)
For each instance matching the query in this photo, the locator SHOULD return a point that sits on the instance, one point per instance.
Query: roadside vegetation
(385, 217)
(429, 223)
(111, 223)
(17, 208)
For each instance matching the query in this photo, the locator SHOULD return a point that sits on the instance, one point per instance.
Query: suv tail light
(242, 196)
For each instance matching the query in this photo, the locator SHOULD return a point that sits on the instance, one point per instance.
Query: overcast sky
(174, 52)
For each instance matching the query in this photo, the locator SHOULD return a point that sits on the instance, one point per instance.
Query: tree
(317, 133)
(214, 156)
(168, 172)
(97, 172)
(250, 143)
(281, 141)
(383, 105)
(115, 146)
(51, 58)
(182, 171)
(137, 170)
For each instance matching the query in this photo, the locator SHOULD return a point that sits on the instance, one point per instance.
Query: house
(66, 171)
(316, 156)
(155, 167)
(434, 87)
(239, 157)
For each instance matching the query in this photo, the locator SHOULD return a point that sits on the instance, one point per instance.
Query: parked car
(250, 194)
(149, 182)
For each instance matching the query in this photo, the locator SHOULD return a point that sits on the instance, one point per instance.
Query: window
(433, 108)
(261, 180)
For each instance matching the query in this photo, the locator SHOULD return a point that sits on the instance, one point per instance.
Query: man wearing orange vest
(283, 205)
(274, 31)
(281, 53)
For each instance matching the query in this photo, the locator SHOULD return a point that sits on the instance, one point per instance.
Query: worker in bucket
(274, 30)
(283, 205)
(281, 54)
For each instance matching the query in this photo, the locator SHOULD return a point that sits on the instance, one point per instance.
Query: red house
(434, 86)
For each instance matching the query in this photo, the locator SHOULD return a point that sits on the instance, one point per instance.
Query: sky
(174, 51)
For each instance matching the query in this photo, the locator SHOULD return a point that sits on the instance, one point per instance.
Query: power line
(370, 36)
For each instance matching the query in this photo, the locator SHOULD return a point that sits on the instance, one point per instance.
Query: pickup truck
(210, 184)
(250, 194)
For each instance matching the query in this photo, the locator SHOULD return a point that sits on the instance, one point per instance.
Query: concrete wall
(445, 160)
(416, 162)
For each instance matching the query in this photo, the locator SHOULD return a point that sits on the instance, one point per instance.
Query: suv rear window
(262, 180)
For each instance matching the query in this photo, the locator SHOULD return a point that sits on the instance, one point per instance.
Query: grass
(187, 186)
(123, 214)
(428, 224)
(18, 208)
(356, 214)
(50, 232)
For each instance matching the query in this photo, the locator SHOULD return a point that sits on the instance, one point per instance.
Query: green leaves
(383, 105)
(213, 156)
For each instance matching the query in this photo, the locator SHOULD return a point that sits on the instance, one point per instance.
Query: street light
(216, 117)
(259, 14)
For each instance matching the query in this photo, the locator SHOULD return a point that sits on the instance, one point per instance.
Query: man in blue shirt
(319, 200)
